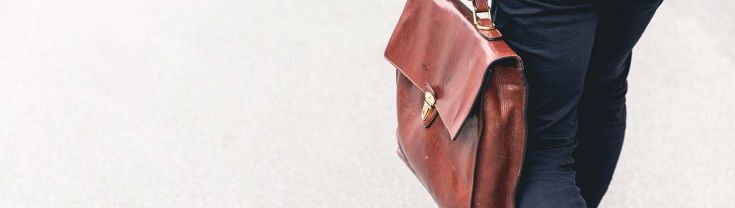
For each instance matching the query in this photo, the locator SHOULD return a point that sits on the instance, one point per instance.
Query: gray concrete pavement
(198, 103)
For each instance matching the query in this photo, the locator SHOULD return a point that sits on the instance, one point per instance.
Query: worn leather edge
(477, 109)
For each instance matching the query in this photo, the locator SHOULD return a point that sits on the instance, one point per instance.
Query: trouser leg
(602, 111)
(555, 39)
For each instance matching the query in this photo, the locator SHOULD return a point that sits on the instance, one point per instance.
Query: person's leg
(554, 38)
(602, 106)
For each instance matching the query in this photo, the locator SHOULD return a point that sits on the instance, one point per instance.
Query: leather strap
(481, 5)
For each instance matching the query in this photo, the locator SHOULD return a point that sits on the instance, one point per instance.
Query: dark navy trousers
(577, 55)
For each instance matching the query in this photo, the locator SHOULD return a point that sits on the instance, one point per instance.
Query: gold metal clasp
(476, 19)
(428, 112)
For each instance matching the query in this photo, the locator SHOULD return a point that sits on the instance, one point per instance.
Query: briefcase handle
(485, 26)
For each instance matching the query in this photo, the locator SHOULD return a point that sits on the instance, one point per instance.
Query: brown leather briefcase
(461, 103)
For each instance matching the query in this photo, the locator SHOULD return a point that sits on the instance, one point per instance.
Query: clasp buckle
(428, 112)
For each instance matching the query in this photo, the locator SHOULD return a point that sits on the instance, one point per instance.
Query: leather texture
(471, 155)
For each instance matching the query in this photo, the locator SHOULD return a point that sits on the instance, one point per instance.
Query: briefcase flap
(435, 43)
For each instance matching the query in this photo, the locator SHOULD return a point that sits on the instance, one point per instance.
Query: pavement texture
(193, 103)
